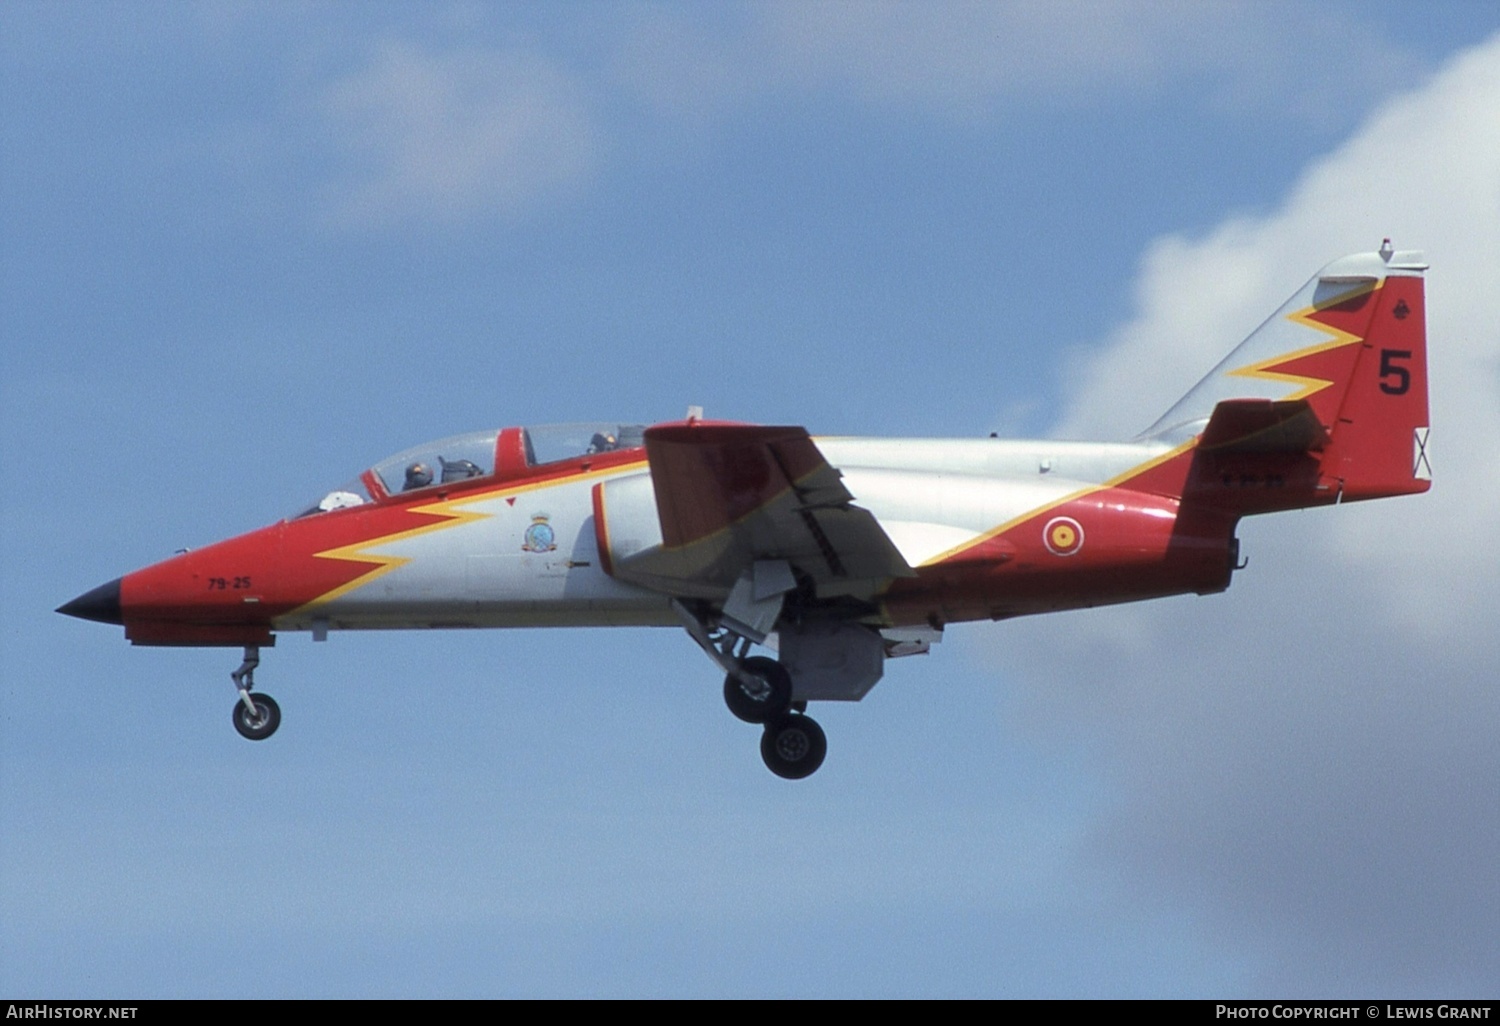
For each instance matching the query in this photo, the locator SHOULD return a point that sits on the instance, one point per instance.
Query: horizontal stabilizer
(1263, 426)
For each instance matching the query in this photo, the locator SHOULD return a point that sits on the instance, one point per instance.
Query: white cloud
(1309, 760)
(1425, 170)
(469, 130)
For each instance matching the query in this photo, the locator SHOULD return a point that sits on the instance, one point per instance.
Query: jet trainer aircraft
(839, 553)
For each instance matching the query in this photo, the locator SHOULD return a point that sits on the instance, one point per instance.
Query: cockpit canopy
(496, 454)
(442, 462)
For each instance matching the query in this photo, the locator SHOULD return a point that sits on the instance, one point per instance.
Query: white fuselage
(481, 568)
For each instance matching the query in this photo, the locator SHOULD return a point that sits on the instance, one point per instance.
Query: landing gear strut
(256, 716)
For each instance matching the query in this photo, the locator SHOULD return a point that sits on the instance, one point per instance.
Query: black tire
(263, 724)
(760, 710)
(793, 746)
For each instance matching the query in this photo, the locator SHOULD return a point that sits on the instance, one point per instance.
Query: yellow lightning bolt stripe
(383, 564)
(1047, 507)
(359, 552)
(1337, 338)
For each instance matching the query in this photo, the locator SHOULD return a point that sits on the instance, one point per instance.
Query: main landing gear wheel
(263, 723)
(793, 746)
(775, 699)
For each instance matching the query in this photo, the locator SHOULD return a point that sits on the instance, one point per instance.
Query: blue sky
(248, 250)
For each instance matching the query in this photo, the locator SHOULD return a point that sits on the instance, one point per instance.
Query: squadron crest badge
(539, 537)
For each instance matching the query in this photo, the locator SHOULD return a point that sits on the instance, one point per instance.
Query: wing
(728, 496)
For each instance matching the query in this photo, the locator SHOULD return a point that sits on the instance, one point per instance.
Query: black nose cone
(101, 604)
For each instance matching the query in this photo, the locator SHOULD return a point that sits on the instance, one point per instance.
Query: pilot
(602, 443)
(418, 475)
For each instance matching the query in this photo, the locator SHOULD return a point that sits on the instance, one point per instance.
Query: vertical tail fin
(1379, 441)
(1337, 376)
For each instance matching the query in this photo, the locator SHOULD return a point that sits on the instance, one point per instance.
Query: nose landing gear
(256, 716)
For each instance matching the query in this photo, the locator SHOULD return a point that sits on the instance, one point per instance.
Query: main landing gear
(256, 716)
(758, 690)
(766, 695)
(792, 744)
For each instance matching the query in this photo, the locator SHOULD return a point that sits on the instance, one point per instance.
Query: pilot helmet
(418, 475)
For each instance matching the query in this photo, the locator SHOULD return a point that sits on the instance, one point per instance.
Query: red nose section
(223, 594)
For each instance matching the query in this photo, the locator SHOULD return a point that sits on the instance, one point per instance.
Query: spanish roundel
(1063, 536)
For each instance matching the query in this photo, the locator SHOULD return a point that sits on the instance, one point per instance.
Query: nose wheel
(260, 720)
(256, 716)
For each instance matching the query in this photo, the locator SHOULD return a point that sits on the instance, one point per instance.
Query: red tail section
(1325, 402)
(1379, 437)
